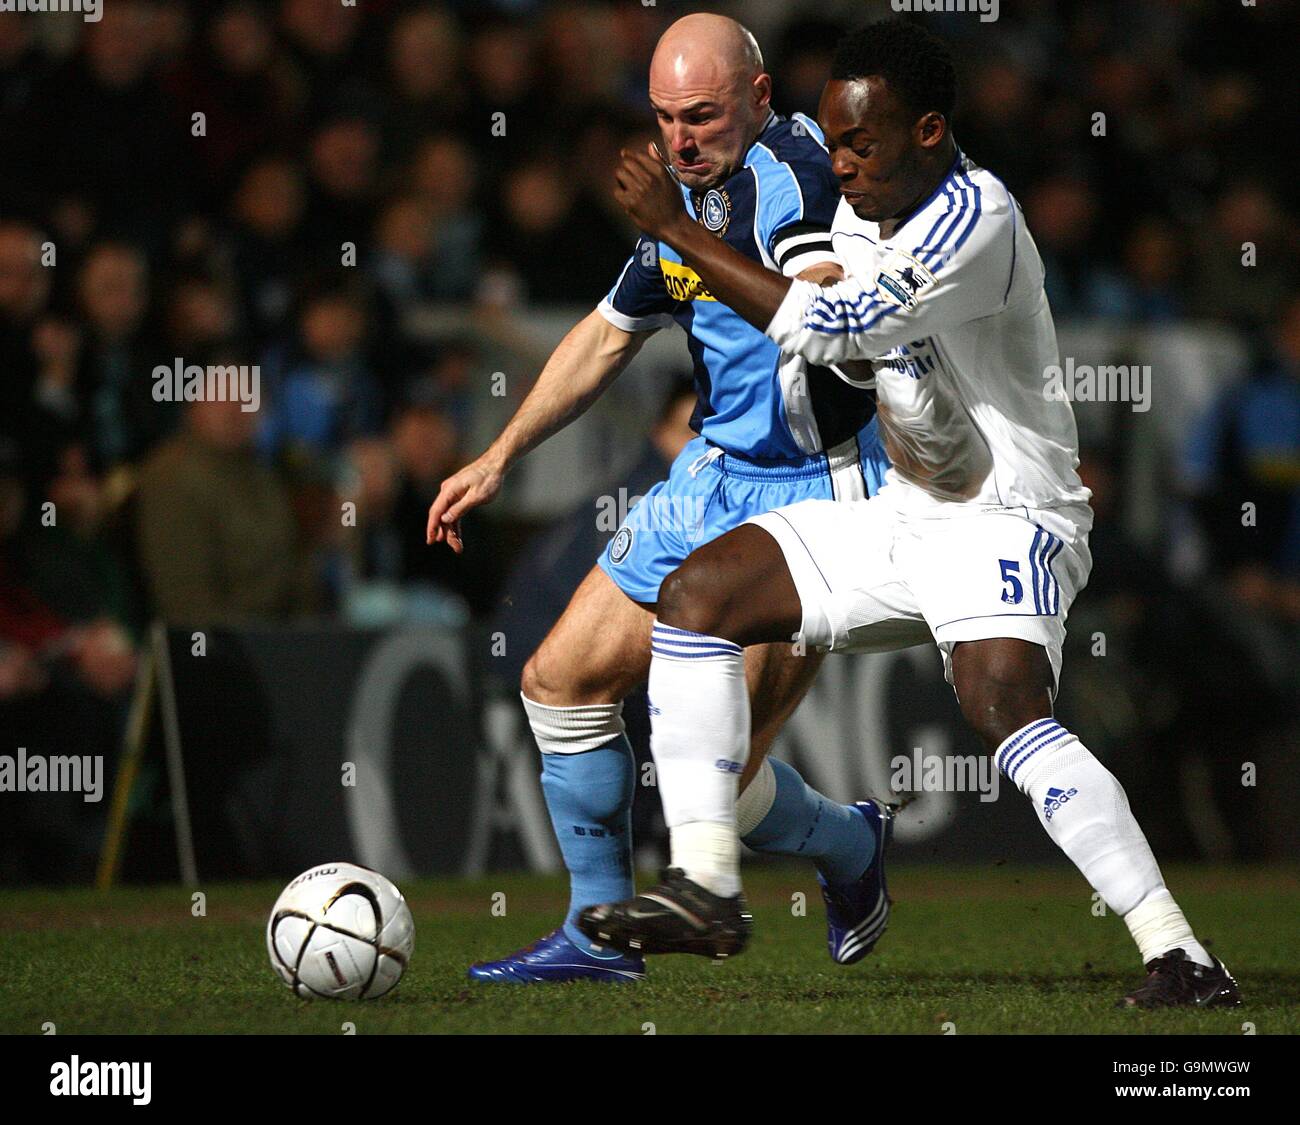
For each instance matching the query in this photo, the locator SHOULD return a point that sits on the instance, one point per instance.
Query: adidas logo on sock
(1055, 799)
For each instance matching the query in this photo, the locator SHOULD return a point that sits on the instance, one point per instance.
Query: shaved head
(703, 47)
(711, 95)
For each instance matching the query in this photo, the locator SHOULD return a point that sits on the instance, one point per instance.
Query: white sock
(699, 735)
(756, 799)
(1086, 813)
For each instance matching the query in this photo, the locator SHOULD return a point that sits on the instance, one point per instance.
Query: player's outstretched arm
(586, 361)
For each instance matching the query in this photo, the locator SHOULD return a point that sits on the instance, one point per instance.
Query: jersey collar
(771, 119)
(957, 163)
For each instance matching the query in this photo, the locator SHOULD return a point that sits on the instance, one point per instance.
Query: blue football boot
(858, 912)
(554, 959)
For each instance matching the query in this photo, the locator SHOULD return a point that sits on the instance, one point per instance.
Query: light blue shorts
(709, 491)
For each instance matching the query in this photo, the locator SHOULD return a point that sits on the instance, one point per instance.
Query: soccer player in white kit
(978, 540)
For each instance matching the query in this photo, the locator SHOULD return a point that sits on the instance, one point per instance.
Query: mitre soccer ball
(340, 931)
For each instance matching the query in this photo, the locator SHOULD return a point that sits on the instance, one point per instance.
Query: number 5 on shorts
(1013, 591)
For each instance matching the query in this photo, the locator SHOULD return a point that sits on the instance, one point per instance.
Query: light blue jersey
(773, 429)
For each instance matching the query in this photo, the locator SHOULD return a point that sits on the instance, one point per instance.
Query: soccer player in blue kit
(772, 430)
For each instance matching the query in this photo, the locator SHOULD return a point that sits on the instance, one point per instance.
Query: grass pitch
(985, 950)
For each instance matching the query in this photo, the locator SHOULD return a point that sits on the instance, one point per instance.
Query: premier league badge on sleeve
(715, 211)
(902, 278)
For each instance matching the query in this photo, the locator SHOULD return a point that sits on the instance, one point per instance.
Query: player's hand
(475, 484)
(824, 274)
(646, 190)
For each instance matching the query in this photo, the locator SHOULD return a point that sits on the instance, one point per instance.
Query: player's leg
(733, 591)
(778, 813)
(573, 688)
(820, 568)
(1005, 687)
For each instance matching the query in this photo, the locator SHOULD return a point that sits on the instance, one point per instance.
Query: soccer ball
(340, 931)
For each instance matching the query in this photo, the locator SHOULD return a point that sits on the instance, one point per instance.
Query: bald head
(704, 47)
(711, 95)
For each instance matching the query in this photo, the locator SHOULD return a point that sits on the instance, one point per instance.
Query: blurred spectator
(63, 685)
(323, 394)
(442, 175)
(215, 529)
(111, 155)
(322, 42)
(1226, 287)
(403, 241)
(550, 242)
(398, 480)
(506, 106)
(201, 314)
(233, 76)
(426, 86)
(24, 76)
(448, 382)
(37, 641)
(266, 243)
(344, 179)
(1061, 212)
(1153, 270)
(1243, 471)
(24, 293)
(117, 355)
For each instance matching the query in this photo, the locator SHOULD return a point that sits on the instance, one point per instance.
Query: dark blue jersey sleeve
(639, 301)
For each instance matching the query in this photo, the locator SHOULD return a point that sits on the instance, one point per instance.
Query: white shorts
(871, 577)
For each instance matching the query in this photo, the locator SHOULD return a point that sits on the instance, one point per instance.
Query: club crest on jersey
(621, 545)
(715, 211)
(901, 279)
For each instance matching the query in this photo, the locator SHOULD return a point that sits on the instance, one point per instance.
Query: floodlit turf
(981, 949)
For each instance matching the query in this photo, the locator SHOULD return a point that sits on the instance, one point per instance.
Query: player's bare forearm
(586, 361)
(744, 285)
(582, 366)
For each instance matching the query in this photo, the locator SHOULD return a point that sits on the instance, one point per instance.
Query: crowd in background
(282, 183)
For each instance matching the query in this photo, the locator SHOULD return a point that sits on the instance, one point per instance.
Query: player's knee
(996, 709)
(551, 679)
(692, 598)
(543, 681)
(1003, 686)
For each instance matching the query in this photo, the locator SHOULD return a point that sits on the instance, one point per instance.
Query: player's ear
(931, 129)
(761, 91)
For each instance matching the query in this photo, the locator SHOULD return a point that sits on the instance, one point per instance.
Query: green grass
(985, 949)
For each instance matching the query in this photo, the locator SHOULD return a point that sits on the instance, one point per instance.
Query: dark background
(127, 241)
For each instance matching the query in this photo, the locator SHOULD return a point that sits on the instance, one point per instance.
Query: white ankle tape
(573, 730)
(1157, 925)
(756, 801)
(709, 853)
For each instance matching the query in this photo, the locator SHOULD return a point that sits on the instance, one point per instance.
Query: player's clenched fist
(646, 190)
(475, 484)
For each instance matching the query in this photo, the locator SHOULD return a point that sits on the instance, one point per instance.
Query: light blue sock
(804, 823)
(589, 796)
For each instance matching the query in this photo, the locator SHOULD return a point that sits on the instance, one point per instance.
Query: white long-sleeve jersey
(950, 309)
